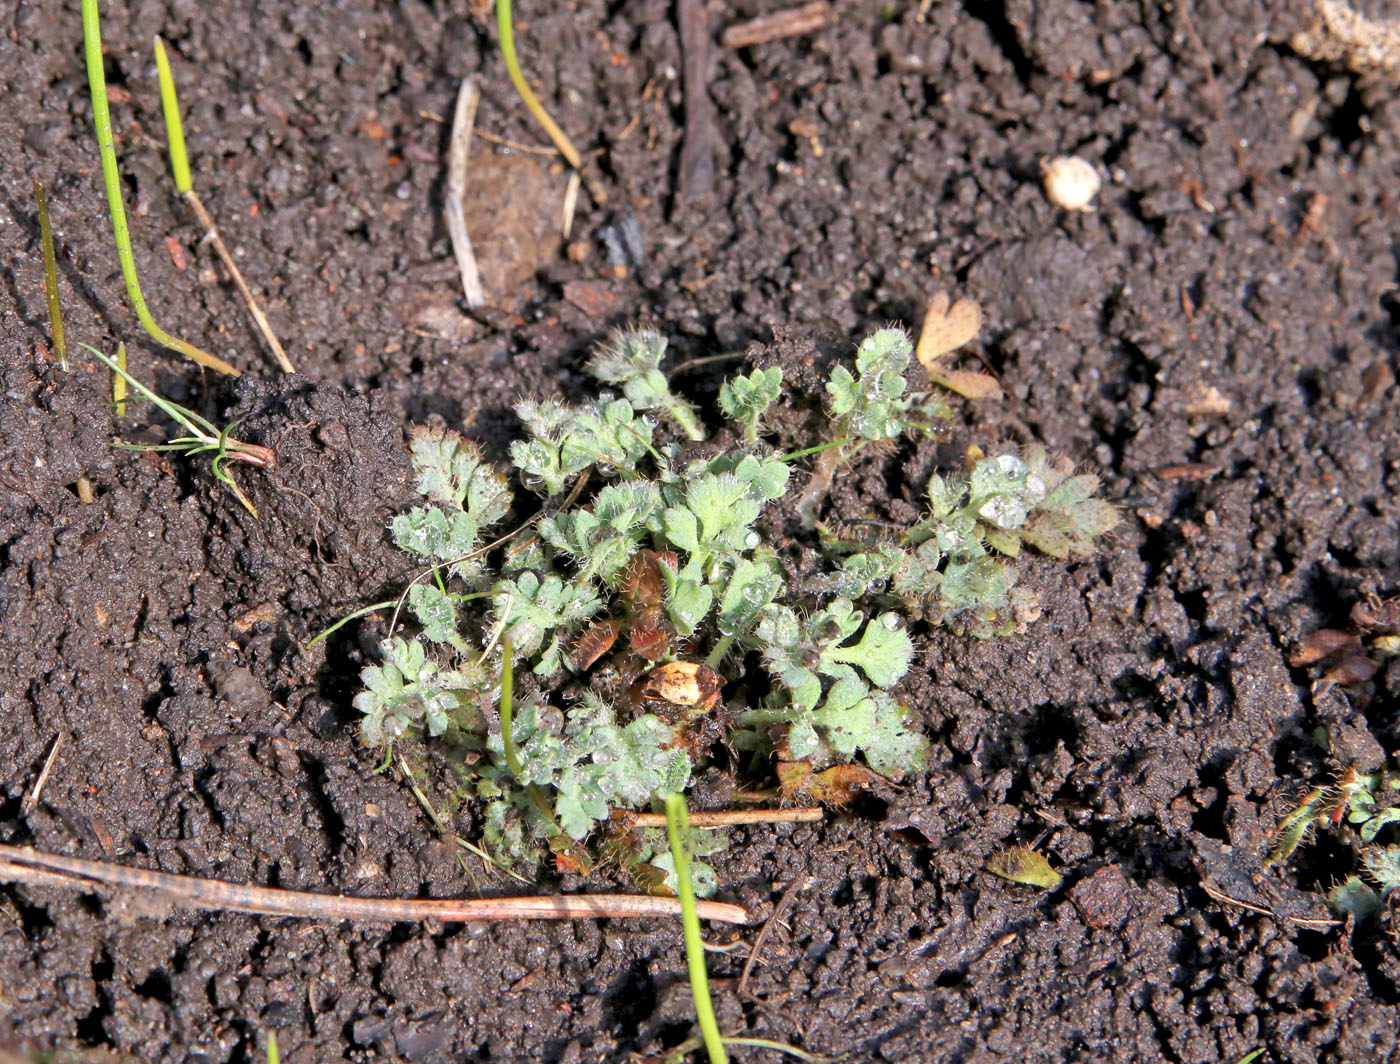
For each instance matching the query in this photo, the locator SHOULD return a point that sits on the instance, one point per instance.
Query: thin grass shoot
(60, 344)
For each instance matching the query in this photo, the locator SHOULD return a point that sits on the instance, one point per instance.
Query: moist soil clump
(1217, 339)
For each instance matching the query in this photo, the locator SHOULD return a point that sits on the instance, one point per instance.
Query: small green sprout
(869, 406)
(632, 359)
(506, 30)
(746, 399)
(184, 184)
(1370, 802)
(1360, 798)
(204, 437)
(60, 345)
(677, 828)
(1021, 864)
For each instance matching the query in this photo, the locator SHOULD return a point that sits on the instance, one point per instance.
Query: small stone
(1070, 182)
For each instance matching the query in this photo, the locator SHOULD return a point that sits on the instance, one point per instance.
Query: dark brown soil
(1229, 309)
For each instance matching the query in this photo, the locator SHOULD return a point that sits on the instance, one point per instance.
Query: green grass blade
(174, 128)
(60, 345)
(517, 78)
(677, 828)
(347, 619)
(191, 421)
(111, 179)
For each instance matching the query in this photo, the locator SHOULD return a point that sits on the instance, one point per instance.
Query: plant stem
(111, 178)
(119, 381)
(347, 619)
(723, 818)
(508, 739)
(677, 829)
(686, 418)
(517, 78)
(721, 649)
(60, 345)
(810, 501)
(180, 167)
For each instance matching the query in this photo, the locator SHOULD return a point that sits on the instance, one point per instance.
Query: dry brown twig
(790, 22)
(725, 818)
(32, 799)
(20, 864)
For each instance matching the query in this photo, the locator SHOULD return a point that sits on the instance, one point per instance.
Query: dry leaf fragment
(1323, 644)
(968, 383)
(946, 328)
(838, 785)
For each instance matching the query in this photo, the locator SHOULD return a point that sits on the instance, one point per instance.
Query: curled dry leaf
(947, 326)
(838, 785)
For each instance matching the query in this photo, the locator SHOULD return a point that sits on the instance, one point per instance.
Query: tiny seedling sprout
(506, 29)
(204, 437)
(60, 345)
(180, 168)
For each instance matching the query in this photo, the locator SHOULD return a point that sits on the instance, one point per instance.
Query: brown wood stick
(697, 165)
(724, 818)
(20, 864)
(790, 22)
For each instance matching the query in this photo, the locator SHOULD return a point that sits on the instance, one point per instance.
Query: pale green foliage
(601, 539)
(698, 843)
(408, 689)
(587, 760)
(873, 404)
(470, 495)
(632, 359)
(1010, 500)
(564, 441)
(834, 702)
(746, 399)
(535, 614)
(836, 644)
(946, 566)
(1382, 864)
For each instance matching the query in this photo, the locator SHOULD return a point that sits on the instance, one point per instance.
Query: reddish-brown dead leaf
(1323, 644)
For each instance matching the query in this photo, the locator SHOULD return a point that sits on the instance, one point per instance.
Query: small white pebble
(1070, 182)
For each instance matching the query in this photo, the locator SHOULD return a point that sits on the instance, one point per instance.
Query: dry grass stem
(463, 121)
(211, 234)
(32, 800)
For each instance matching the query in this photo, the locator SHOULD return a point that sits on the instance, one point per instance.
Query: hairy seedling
(630, 614)
(1370, 802)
